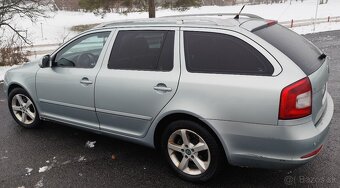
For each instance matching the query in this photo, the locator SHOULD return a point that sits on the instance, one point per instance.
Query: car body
(240, 108)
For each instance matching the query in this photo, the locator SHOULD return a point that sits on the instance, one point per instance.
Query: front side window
(83, 52)
(143, 50)
(223, 54)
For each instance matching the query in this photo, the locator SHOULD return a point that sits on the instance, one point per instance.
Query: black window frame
(246, 44)
(168, 33)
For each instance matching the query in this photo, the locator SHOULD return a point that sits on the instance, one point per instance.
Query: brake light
(271, 22)
(296, 100)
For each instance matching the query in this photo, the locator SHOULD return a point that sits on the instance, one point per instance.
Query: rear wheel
(23, 109)
(191, 150)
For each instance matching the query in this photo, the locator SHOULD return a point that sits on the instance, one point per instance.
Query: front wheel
(23, 109)
(192, 151)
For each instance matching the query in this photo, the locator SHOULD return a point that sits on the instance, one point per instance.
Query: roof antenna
(238, 15)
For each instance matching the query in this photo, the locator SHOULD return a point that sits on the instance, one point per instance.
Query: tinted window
(83, 52)
(296, 47)
(219, 53)
(143, 50)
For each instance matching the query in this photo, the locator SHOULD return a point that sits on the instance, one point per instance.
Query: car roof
(213, 20)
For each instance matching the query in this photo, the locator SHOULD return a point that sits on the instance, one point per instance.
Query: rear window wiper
(322, 56)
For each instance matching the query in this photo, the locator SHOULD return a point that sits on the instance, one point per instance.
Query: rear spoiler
(255, 25)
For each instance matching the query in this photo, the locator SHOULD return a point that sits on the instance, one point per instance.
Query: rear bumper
(268, 146)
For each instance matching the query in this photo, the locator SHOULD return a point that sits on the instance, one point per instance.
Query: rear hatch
(311, 60)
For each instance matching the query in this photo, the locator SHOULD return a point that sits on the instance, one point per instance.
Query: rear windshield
(296, 47)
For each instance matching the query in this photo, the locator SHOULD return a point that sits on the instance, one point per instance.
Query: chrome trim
(67, 105)
(124, 114)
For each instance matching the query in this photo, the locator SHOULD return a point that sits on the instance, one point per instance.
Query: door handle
(162, 87)
(86, 81)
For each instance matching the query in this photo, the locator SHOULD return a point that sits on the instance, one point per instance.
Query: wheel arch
(13, 86)
(171, 117)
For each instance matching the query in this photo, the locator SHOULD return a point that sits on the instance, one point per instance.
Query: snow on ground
(40, 183)
(28, 171)
(90, 144)
(318, 28)
(56, 28)
(81, 158)
(43, 169)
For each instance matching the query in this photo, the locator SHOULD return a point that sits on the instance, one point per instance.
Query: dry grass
(81, 28)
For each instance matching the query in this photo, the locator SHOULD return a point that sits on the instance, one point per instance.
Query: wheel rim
(23, 109)
(189, 152)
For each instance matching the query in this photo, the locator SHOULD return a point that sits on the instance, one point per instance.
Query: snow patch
(28, 171)
(90, 144)
(40, 183)
(81, 158)
(4, 157)
(45, 168)
(66, 162)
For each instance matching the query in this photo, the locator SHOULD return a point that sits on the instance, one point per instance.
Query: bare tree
(31, 9)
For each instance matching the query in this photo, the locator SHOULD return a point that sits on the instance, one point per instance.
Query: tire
(23, 109)
(176, 152)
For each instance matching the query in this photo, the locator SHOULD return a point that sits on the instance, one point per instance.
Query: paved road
(69, 163)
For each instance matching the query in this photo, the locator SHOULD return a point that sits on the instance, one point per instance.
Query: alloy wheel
(23, 109)
(189, 152)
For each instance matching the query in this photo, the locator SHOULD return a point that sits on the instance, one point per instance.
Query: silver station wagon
(203, 89)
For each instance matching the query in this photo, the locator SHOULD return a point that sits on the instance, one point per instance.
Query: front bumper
(268, 146)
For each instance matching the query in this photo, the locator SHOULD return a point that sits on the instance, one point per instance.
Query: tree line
(123, 6)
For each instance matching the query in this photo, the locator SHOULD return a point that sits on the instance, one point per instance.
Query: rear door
(138, 78)
(306, 56)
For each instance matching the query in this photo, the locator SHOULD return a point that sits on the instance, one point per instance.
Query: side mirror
(45, 62)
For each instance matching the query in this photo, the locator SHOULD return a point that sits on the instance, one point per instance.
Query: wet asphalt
(59, 152)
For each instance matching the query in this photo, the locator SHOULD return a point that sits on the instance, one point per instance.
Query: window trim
(176, 54)
(159, 57)
(271, 59)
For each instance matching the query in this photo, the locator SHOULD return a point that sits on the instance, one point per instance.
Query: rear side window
(296, 47)
(224, 54)
(143, 50)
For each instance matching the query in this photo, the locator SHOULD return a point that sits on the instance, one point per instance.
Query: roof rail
(216, 14)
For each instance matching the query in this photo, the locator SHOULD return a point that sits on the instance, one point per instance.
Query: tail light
(296, 100)
(271, 22)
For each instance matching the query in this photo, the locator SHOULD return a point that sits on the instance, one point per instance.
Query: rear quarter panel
(240, 98)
